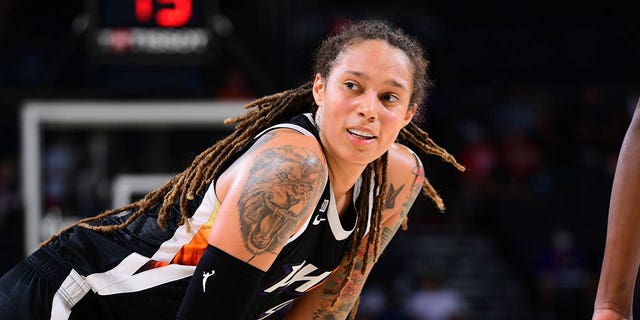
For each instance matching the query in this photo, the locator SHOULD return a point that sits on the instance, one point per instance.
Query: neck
(343, 178)
(342, 182)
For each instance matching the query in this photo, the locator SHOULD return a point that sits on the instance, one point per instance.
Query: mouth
(361, 134)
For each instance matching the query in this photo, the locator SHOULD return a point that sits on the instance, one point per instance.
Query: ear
(318, 89)
(411, 111)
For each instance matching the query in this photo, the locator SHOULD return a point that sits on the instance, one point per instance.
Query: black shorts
(41, 285)
(27, 290)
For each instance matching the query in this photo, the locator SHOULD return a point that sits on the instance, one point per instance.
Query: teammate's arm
(614, 298)
(404, 182)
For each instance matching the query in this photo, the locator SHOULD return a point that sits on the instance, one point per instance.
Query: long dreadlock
(267, 111)
(263, 113)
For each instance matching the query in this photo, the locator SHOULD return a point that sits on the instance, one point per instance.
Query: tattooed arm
(404, 181)
(266, 196)
(614, 299)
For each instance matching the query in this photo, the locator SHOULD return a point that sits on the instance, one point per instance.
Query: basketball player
(614, 300)
(285, 216)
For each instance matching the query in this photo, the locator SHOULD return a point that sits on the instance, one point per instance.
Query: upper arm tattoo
(416, 186)
(282, 183)
(392, 194)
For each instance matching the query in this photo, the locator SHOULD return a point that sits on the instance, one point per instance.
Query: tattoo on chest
(281, 186)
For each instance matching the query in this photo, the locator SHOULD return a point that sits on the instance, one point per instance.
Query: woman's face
(364, 101)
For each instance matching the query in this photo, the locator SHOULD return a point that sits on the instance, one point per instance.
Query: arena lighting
(150, 31)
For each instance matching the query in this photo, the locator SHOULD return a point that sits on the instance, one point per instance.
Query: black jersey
(143, 270)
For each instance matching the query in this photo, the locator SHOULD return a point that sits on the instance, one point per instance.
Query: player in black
(287, 215)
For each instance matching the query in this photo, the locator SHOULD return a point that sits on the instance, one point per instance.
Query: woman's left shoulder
(403, 161)
(405, 176)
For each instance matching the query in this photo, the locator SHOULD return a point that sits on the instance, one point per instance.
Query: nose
(367, 108)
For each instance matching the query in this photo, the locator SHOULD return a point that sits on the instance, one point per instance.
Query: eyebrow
(366, 77)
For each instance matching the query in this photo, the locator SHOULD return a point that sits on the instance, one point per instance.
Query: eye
(351, 85)
(390, 97)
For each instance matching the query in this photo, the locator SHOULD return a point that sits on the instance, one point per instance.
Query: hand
(608, 314)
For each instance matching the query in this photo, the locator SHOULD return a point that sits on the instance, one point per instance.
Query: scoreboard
(150, 31)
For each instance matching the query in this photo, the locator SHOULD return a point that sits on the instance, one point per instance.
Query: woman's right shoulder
(288, 137)
(285, 146)
(280, 151)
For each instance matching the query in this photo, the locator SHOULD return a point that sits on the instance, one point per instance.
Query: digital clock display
(150, 31)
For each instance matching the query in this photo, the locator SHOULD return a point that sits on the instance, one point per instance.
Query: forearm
(331, 301)
(622, 255)
(341, 307)
(321, 303)
(222, 287)
(620, 264)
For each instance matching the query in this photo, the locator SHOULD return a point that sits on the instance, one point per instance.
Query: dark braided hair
(267, 111)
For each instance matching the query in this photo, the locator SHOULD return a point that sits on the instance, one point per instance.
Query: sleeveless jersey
(147, 267)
